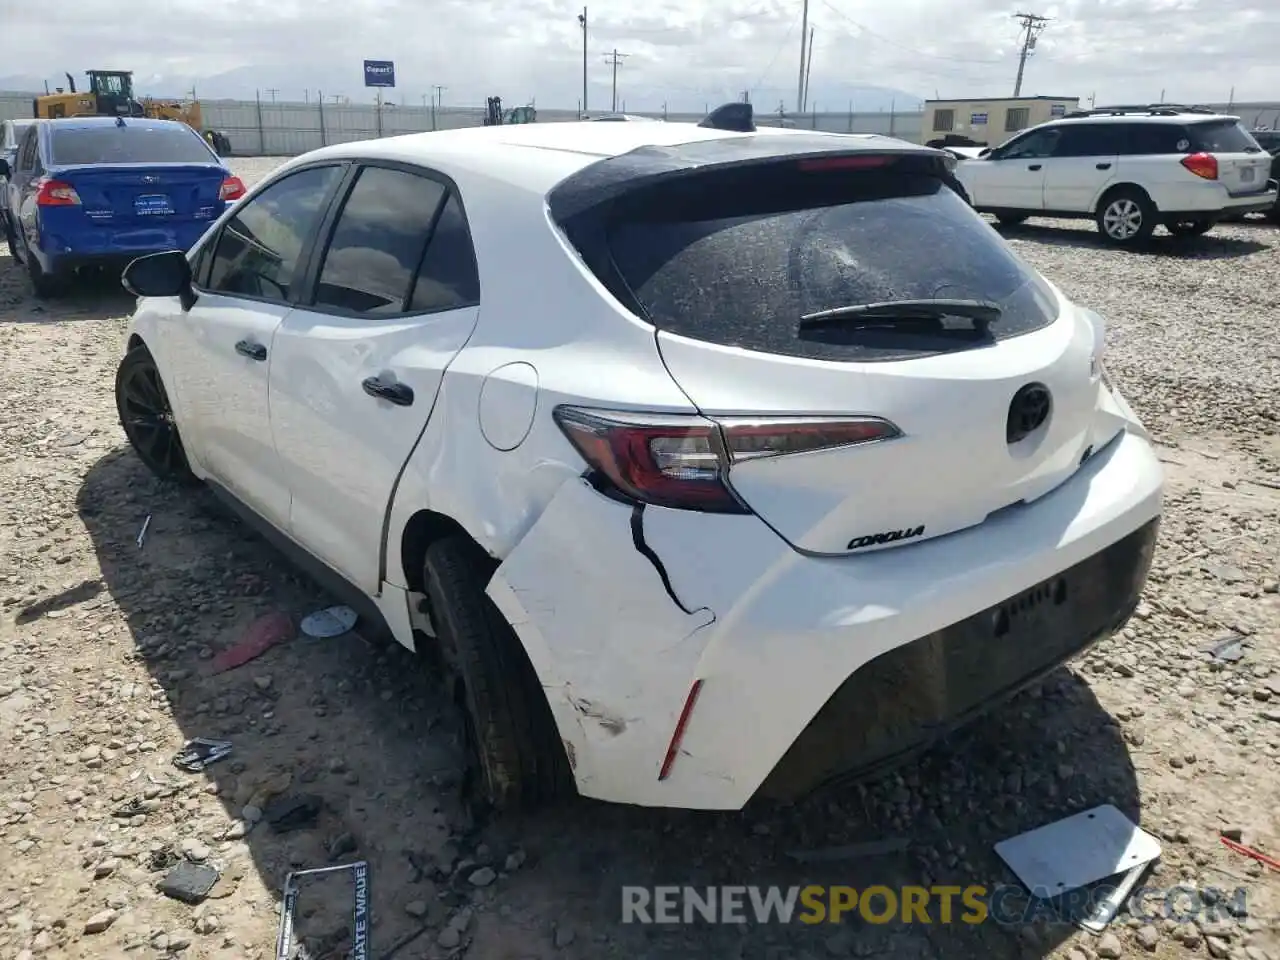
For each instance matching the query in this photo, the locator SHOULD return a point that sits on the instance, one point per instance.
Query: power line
(777, 53)
(1032, 25)
(893, 43)
(615, 58)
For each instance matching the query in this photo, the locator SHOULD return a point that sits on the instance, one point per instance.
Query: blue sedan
(97, 192)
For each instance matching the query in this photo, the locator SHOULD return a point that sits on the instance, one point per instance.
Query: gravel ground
(104, 671)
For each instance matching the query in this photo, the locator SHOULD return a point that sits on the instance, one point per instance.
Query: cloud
(685, 53)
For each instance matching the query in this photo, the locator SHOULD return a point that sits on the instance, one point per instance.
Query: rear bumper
(115, 247)
(781, 641)
(1215, 203)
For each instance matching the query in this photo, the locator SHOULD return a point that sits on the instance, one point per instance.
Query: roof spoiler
(735, 117)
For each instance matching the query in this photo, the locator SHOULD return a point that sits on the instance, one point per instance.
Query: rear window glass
(740, 260)
(1223, 136)
(115, 144)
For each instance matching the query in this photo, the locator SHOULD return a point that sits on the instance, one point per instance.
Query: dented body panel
(771, 632)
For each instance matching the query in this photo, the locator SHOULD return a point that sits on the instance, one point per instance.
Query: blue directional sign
(379, 73)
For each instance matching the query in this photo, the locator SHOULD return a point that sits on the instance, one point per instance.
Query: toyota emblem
(1028, 411)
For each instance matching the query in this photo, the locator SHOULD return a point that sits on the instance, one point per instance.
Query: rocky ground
(105, 669)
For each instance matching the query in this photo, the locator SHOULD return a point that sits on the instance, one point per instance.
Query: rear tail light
(55, 193)
(232, 189)
(1202, 165)
(683, 461)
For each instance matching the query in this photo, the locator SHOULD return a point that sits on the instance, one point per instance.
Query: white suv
(704, 480)
(1129, 168)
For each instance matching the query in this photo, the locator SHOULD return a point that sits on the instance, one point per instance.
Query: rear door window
(1223, 136)
(1086, 140)
(378, 242)
(447, 279)
(110, 143)
(737, 258)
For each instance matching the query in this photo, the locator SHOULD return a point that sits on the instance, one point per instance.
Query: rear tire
(1011, 219)
(1126, 217)
(511, 731)
(146, 415)
(11, 239)
(1190, 228)
(46, 285)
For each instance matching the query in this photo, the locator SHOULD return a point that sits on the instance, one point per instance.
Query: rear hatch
(134, 175)
(726, 262)
(1243, 166)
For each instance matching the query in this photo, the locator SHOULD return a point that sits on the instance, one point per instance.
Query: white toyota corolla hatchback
(714, 461)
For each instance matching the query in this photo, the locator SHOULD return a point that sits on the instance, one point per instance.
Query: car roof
(90, 123)
(1179, 118)
(536, 157)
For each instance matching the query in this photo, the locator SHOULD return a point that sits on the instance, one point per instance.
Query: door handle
(401, 394)
(1034, 166)
(1102, 166)
(254, 351)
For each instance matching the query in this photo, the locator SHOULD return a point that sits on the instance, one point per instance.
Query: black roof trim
(612, 177)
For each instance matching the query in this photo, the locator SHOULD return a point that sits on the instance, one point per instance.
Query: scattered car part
(199, 753)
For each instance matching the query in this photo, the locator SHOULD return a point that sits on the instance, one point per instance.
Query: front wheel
(1126, 217)
(147, 417)
(1190, 228)
(510, 730)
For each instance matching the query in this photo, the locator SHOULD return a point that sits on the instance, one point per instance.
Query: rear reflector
(1202, 165)
(55, 193)
(673, 748)
(232, 189)
(682, 460)
(860, 162)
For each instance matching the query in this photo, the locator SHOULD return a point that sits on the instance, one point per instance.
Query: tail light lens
(56, 193)
(232, 189)
(683, 461)
(1202, 165)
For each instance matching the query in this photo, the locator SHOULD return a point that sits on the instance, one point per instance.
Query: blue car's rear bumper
(114, 248)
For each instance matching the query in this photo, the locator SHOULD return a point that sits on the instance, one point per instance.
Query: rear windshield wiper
(981, 312)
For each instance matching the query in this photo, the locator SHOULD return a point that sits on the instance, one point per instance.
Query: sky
(685, 54)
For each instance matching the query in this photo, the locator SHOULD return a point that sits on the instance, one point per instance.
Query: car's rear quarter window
(739, 259)
(1223, 136)
(72, 146)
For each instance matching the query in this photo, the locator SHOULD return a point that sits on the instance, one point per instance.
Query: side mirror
(165, 274)
(985, 154)
(4, 168)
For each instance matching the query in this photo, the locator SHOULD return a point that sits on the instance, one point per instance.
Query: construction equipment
(494, 117)
(110, 94)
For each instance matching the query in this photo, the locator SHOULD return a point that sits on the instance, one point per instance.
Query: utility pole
(804, 33)
(273, 91)
(582, 22)
(1032, 24)
(615, 59)
(807, 68)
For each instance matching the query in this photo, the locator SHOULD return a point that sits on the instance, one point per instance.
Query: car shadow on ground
(361, 727)
(1211, 246)
(91, 297)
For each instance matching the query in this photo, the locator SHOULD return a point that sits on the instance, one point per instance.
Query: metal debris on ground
(142, 534)
(260, 636)
(199, 753)
(330, 622)
(1080, 851)
(360, 923)
(1228, 649)
(1250, 852)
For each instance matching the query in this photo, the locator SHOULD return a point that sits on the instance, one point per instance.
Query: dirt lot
(104, 671)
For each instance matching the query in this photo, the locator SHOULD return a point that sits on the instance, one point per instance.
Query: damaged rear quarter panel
(615, 652)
